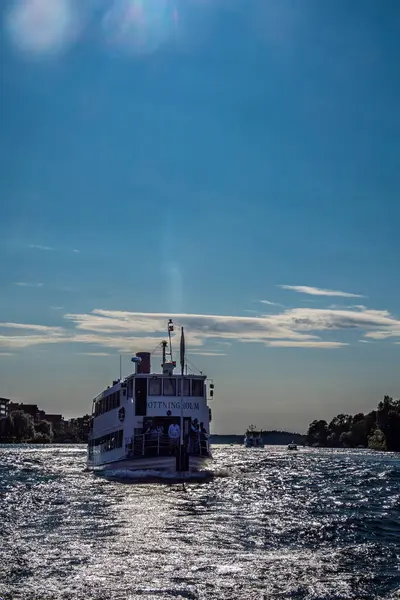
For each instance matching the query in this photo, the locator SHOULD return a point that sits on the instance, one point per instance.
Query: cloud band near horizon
(128, 331)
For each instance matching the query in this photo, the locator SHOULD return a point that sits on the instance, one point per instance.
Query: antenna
(182, 351)
(170, 329)
(164, 350)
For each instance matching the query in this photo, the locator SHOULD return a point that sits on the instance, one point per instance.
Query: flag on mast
(182, 349)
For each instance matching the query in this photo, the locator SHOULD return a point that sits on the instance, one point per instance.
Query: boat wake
(154, 476)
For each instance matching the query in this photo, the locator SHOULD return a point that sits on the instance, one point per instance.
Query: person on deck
(174, 433)
(194, 436)
(203, 440)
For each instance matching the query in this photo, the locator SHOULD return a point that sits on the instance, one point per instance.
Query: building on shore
(76, 429)
(57, 421)
(4, 407)
(28, 409)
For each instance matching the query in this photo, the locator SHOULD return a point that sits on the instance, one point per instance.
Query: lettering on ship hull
(171, 405)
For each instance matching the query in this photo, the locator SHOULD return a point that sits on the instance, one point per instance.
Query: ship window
(130, 388)
(155, 386)
(186, 387)
(197, 387)
(110, 441)
(169, 387)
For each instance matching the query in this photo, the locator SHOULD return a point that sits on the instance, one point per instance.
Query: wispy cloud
(39, 247)
(314, 291)
(311, 344)
(27, 284)
(51, 248)
(4, 354)
(95, 353)
(269, 303)
(124, 331)
(351, 306)
(56, 307)
(206, 353)
(30, 327)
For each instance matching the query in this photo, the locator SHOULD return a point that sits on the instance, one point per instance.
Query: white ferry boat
(152, 421)
(253, 438)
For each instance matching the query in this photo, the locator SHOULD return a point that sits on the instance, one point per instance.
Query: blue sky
(195, 158)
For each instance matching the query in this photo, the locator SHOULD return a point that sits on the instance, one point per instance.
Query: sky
(231, 164)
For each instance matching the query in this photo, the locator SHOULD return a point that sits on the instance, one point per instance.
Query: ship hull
(151, 463)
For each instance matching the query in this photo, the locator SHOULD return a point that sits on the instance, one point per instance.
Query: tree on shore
(378, 429)
(43, 432)
(18, 427)
(317, 433)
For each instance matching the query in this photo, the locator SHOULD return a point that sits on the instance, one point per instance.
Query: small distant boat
(253, 438)
(292, 446)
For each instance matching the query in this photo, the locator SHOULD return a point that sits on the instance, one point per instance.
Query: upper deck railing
(156, 444)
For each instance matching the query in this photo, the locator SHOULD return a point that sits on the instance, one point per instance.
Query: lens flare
(140, 25)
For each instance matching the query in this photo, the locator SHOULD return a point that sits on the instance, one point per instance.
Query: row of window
(109, 442)
(157, 386)
(160, 386)
(107, 403)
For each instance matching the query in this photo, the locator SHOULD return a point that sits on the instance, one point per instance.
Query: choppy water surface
(316, 524)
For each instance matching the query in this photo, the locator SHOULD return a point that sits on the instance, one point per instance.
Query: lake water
(313, 524)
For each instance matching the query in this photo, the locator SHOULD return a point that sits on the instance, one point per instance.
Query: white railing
(155, 444)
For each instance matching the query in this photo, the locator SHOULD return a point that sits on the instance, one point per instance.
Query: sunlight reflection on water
(316, 524)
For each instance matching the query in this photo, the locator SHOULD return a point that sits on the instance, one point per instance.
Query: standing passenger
(174, 433)
(203, 440)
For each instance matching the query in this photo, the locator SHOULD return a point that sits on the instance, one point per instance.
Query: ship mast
(170, 329)
(182, 450)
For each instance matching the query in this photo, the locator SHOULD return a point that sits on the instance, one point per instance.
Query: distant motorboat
(292, 446)
(253, 438)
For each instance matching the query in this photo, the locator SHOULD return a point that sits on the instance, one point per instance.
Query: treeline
(20, 427)
(378, 430)
(273, 437)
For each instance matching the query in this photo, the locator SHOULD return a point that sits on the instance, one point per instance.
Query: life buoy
(121, 414)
